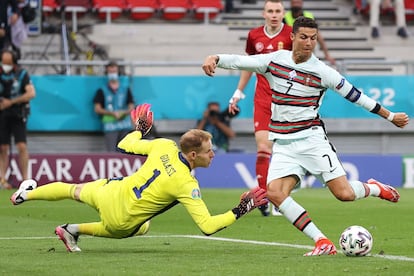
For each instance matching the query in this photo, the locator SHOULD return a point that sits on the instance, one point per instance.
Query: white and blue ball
(356, 241)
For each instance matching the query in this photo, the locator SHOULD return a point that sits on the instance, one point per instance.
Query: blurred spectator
(228, 6)
(18, 30)
(296, 10)
(374, 13)
(16, 90)
(218, 124)
(6, 20)
(113, 102)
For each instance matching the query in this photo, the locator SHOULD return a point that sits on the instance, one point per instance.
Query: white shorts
(313, 154)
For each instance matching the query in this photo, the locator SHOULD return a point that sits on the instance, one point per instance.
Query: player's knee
(143, 229)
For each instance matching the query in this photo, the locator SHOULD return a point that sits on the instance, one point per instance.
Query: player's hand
(143, 118)
(209, 65)
(233, 108)
(249, 201)
(400, 119)
(237, 96)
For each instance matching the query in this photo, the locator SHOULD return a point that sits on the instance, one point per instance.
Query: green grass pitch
(254, 245)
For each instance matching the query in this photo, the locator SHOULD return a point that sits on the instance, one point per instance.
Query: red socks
(262, 165)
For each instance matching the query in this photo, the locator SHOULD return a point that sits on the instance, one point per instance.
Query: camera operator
(218, 124)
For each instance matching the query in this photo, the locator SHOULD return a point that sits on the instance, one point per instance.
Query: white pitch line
(388, 257)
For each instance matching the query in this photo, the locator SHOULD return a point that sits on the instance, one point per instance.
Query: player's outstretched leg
(19, 196)
(387, 192)
(322, 247)
(70, 240)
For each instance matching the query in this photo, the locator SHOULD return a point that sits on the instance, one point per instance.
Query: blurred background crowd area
(171, 39)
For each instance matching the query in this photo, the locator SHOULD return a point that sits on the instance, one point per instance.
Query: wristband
(236, 212)
(237, 94)
(391, 116)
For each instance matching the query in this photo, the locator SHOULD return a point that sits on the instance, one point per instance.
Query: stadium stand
(206, 9)
(142, 9)
(77, 9)
(362, 7)
(108, 10)
(174, 9)
(49, 7)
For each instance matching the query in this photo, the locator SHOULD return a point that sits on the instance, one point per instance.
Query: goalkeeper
(127, 204)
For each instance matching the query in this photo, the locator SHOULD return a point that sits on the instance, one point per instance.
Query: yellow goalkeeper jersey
(163, 181)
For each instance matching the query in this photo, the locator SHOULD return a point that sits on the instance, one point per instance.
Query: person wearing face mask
(113, 102)
(16, 91)
(296, 10)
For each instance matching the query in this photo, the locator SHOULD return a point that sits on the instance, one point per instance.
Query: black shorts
(12, 126)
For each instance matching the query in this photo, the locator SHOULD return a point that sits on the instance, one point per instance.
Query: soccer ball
(356, 241)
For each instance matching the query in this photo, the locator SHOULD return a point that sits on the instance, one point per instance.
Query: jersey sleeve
(250, 50)
(133, 144)
(252, 63)
(190, 197)
(342, 86)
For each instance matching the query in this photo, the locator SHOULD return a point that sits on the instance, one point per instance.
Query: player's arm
(209, 224)
(142, 117)
(325, 50)
(132, 143)
(238, 93)
(244, 78)
(354, 95)
(28, 94)
(253, 63)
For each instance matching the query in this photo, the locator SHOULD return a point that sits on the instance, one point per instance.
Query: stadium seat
(49, 7)
(76, 8)
(206, 9)
(409, 10)
(362, 7)
(174, 9)
(108, 9)
(142, 9)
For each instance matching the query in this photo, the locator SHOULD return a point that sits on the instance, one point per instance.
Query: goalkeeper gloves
(143, 118)
(250, 200)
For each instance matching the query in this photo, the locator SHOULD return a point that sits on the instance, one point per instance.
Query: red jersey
(259, 42)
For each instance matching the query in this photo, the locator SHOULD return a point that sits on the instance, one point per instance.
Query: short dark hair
(193, 139)
(303, 21)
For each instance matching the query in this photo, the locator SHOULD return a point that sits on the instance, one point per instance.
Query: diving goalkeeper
(126, 205)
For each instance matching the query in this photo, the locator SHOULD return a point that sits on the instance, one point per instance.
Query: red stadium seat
(409, 10)
(76, 8)
(362, 7)
(49, 7)
(109, 9)
(142, 9)
(206, 9)
(174, 9)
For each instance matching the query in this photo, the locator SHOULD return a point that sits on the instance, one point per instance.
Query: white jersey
(297, 90)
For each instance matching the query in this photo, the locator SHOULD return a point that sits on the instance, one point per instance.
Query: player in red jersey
(272, 36)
